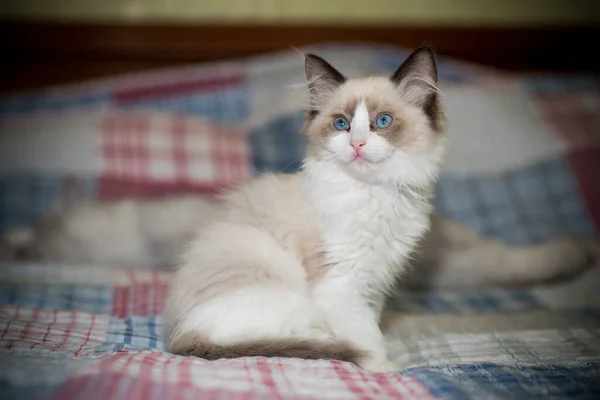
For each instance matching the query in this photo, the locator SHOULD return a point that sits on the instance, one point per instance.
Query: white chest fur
(368, 230)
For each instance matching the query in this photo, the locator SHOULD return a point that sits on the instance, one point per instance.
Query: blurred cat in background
(151, 233)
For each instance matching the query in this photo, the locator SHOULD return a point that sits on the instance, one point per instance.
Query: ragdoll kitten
(299, 265)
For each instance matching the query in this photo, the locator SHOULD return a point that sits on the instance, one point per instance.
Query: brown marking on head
(322, 78)
(434, 112)
(407, 95)
(400, 132)
(420, 70)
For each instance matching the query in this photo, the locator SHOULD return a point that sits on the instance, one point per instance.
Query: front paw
(378, 365)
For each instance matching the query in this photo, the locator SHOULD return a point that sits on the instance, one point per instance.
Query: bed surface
(522, 166)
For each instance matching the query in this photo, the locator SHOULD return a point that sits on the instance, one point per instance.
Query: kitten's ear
(416, 78)
(322, 79)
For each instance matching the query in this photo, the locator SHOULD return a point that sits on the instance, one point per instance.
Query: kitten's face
(378, 128)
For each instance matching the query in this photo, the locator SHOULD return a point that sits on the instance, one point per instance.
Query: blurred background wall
(59, 41)
(339, 12)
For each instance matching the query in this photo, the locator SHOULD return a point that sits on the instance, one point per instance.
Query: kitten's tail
(192, 344)
(496, 264)
(456, 256)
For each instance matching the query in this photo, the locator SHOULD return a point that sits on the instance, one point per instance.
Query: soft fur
(310, 256)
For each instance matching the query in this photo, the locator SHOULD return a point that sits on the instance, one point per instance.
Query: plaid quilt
(522, 166)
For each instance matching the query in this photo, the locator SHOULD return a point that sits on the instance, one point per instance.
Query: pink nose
(357, 144)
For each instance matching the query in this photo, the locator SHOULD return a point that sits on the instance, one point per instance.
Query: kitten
(299, 265)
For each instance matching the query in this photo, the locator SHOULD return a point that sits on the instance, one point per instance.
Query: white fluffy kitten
(298, 265)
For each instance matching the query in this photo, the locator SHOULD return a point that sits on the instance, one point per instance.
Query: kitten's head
(383, 129)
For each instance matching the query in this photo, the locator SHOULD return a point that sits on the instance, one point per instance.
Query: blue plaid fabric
(279, 146)
(49, 371)
(85, 298)
(465, 302)
(26, 196)
(34, 102)
(227, 106)
(134, 333)
(529, 205)
(494, 381)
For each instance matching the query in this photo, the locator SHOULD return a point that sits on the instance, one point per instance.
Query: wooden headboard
(38, 54)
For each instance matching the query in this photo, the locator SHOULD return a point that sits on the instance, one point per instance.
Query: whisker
(429, 84)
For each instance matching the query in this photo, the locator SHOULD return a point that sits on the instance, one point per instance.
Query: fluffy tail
(455, 256)
(192, 344)
(495, 264)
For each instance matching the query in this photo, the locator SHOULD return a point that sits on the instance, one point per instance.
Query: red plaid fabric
(52, 331)
(585, 164)
(154, 155)
(139, 299)
(575, 116)
(143, 375)
(125, 358)
(176, 86)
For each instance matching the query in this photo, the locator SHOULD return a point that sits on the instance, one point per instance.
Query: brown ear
(417, 77)
(322, 79)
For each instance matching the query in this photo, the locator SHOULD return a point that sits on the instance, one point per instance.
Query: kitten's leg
(352, 317)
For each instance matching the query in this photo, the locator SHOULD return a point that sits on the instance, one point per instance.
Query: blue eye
(341, 124)
(383, 120)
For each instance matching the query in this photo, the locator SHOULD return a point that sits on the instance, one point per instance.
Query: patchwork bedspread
(523, 166)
